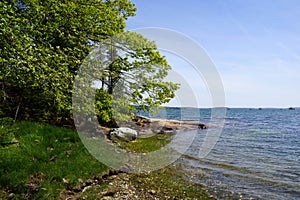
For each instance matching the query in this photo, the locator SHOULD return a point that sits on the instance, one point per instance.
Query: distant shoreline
(254, 108)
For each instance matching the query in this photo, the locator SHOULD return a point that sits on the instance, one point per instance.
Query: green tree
(43, 44)
(129, 73)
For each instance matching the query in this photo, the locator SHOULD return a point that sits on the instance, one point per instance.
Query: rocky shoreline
(141, 126)
(162, 184)
(166, 183)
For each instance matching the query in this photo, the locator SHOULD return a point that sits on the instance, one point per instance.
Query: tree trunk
(17, 111)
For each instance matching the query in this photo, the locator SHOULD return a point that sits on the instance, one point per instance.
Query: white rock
(123, 133)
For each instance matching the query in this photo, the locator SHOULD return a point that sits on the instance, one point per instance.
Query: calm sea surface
(256, 156)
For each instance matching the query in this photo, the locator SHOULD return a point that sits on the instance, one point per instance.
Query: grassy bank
(45, 162)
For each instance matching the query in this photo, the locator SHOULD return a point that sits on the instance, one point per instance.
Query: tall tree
(129, 72)
(43, 44)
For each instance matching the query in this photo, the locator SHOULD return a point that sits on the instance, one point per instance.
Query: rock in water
(123, 133)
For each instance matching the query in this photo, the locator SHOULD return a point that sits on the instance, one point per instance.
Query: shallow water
(256, 156)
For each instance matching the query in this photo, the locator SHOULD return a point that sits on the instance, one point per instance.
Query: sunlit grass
(44, 157)
(144, 145)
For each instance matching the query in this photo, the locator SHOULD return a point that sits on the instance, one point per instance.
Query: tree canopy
(44, 43)
(128, 72)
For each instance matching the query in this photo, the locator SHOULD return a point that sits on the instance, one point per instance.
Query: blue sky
(254, 44)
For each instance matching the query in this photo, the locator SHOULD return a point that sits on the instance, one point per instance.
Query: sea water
(255, 157)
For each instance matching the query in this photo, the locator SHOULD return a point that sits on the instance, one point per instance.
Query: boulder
(167, 130)
(123, 133)
(202, 126)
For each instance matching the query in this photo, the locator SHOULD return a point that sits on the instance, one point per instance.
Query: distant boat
(260, 109)
(290, 108)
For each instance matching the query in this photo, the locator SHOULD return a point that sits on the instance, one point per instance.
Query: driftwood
(152, 125)
(141, 119)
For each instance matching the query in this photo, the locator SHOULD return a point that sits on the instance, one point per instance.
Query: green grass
(144, 145)
(43, 157)
(43, 161)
